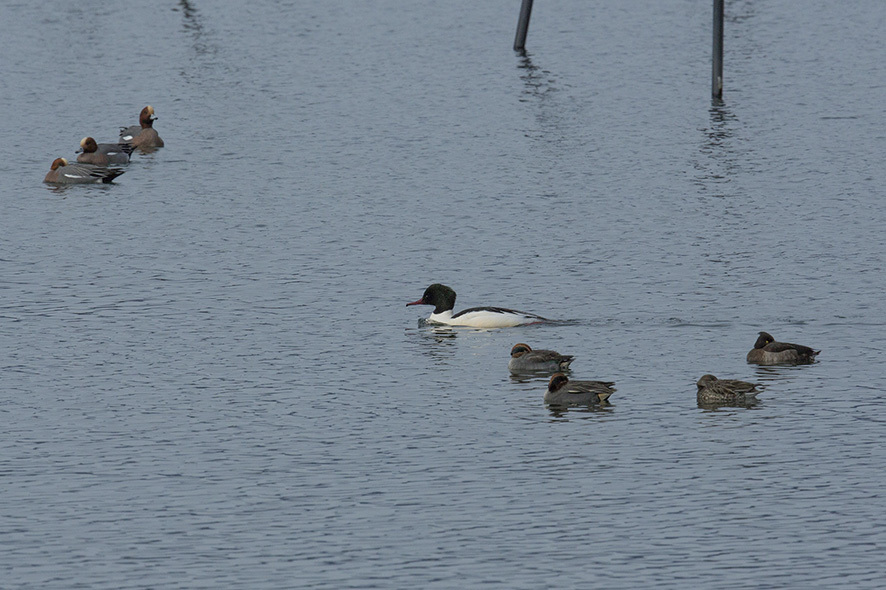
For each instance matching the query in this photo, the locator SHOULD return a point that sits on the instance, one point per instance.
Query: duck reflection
(747, 403)
(436, 342)
(564, 412)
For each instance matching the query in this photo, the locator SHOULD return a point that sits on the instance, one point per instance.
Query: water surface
(210, 378)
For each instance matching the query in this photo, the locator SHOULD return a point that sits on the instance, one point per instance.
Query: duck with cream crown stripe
(142, 135)
(63, 173)
(443, 300)
(103, 154)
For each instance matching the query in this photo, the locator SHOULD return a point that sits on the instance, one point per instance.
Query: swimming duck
(443, 300)
(713, 390)
(63, 173)
(767, 351)
(102, 154)
(563, 392)
(142, 135)
(523, 358)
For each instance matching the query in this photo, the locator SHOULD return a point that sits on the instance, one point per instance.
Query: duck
(713, 390)
(103, 154)
(523, 358)
(767, 351)
(63, 173)
(443, 300)
(142, 135)
(563, 392)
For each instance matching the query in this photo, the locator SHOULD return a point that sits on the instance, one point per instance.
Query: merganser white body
(443, 300)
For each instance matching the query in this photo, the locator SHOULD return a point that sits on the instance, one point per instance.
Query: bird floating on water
(524, 358)
(564, 392)
(443, 300)
(767, 351)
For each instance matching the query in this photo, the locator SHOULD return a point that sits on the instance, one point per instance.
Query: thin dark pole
(717, 62)
(523, 25)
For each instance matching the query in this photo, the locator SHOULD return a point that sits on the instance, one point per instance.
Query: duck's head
(440, 296)
(558, 380)
(763, 339)
(146, 118)
(519, 350)
(58, 163)
(705, 380)
(88, 145)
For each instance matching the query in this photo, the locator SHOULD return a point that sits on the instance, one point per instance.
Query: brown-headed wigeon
(63, 173)
(142, 135)
(103, 154)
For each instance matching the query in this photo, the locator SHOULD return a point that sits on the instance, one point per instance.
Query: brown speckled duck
(767, 351)
(563, 392)
(713, 390)
(523, 358)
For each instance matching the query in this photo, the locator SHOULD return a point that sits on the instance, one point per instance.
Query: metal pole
(717, 62)
(523, 25)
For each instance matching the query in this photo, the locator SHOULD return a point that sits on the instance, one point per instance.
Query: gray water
(209, 375)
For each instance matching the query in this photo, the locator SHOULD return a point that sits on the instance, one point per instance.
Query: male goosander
(713, 390)
(443, 300)
(767, 351)
(63, 173)
(102, 154)
(563, 392)
(142, 135)
(523, 358)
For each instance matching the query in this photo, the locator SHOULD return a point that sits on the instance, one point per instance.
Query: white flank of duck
(443, 300)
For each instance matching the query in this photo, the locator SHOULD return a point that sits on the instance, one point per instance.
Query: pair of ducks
(561, 390)
(766, 351)
(95, 158)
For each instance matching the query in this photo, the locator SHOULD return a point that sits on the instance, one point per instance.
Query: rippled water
(209, 375)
